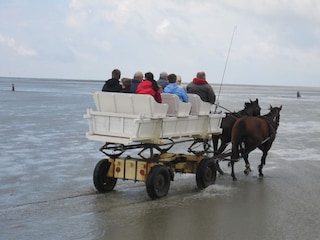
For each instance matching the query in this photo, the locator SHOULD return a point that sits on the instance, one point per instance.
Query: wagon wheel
(206, 173)
(101, 181)
(158, 182)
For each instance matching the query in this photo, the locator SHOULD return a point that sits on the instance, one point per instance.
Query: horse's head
(252, 107)
(275, 114)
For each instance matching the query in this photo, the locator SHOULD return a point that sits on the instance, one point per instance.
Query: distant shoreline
(69, 80)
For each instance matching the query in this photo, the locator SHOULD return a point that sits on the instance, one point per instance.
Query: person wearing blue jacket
(173, 88)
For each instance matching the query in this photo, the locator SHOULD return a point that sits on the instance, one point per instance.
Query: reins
(217, 105)
(271, 123)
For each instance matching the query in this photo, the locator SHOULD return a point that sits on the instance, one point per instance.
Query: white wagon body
(127, 118)
(138, 121)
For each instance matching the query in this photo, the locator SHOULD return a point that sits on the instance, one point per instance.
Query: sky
(261, 42)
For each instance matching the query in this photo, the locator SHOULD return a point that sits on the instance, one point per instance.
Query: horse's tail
(237, 133)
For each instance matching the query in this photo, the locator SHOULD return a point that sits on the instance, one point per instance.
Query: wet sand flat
(282, 205)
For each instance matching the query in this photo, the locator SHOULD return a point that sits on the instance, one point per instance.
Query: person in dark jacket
(113, 84)
(150, 86)
(200, 86)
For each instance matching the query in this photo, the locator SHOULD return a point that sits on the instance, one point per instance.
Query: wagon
(139, 136)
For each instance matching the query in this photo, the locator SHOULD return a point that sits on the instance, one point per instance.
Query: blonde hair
(126, 82)
(178, 79)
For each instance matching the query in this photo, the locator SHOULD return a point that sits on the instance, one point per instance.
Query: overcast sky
(275, 42)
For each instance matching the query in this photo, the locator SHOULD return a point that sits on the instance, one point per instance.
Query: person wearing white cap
(163, 80)
(137, 79)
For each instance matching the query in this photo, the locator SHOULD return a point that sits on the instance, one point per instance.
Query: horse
(251, 108)
(249, 133)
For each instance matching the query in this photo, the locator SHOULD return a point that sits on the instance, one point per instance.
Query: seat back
(198, 107)
(104, 102)
(176, 108)
(123, 102)
(144, 104)
(137, 104)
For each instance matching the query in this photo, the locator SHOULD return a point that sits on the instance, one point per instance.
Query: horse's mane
(243, 112)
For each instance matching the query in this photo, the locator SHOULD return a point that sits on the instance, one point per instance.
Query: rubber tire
(101, 181)
(158, 182)
(206, 173)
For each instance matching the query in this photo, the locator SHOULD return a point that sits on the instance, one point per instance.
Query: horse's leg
(219, 168)
(217, 162)
(215, 140)
(263, 162)
(232, 171)
(264, 149)
(225, 138)
(223, 144)
(247, 170)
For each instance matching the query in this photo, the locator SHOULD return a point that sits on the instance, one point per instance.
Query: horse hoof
(260, 174)
(234, 179)
(221, 172)
(247, 171)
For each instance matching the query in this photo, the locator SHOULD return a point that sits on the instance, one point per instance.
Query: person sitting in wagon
(173, 88)
(150, 86)
(200, 86)
(126, 85)
(113, 84)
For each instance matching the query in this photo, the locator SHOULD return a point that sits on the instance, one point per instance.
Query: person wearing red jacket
(150, 86)
(200, 86)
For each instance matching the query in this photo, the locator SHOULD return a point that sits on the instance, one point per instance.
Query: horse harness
(272, 128)
(237, 115)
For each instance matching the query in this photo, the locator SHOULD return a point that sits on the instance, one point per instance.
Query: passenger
(201, 87)
(113, 84)
(137, 79)
(163, 80)
(150, 86)
(126, 85)
(173, 88)
(179, 81)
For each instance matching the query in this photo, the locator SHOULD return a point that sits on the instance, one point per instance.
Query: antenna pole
(225, 67)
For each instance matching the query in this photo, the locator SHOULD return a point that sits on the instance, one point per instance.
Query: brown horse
(249, 133)
(251, 108)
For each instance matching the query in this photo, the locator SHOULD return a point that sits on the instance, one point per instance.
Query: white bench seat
(138, 104)
(199, 107)
(176, 108)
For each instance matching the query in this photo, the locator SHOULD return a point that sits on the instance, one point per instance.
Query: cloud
(306, 9)
(162, 28)
(76, 20)
(18, 48)
(175, 35)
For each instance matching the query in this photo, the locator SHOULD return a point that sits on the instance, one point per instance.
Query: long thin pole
(225, 67)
